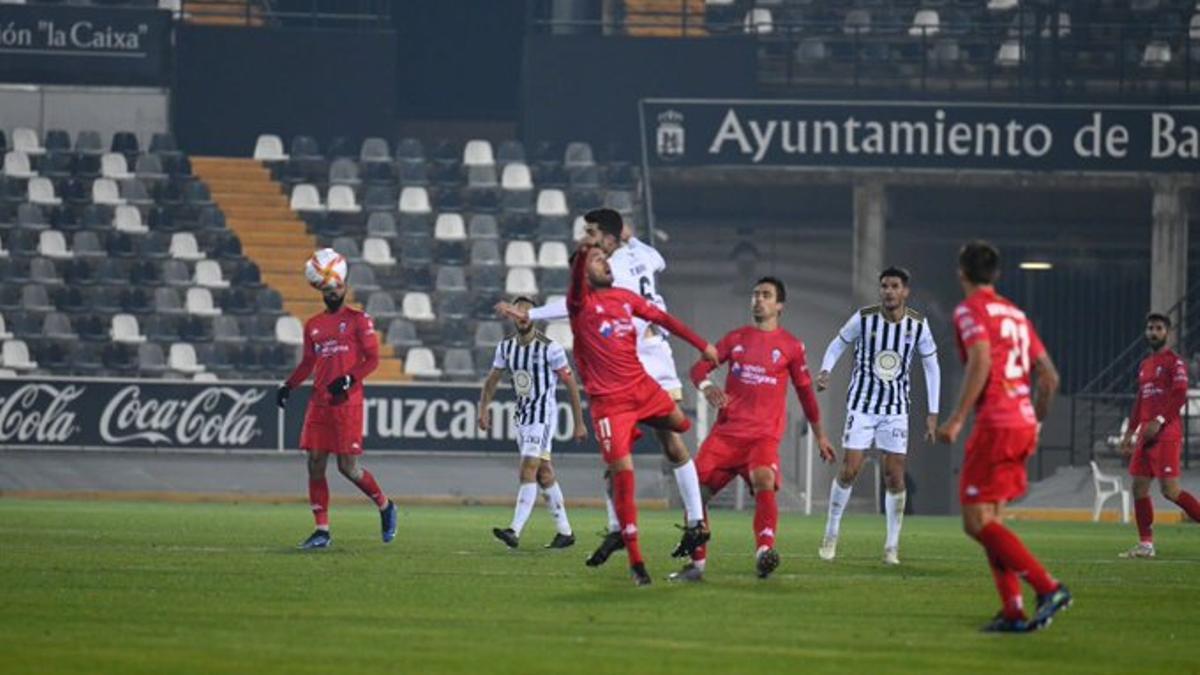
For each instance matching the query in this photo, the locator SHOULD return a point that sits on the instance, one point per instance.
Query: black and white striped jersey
(883, 353)
(533, 367)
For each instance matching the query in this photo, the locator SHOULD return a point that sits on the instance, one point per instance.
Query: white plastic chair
(15, 356)
(341, 199)
(289, 331)
(414, 200)
(560, 332)
(105, 191)
(450, 227)
(52, 244)
(113, 165)
(759, 21)
(306, 198)
(377, 251)
(419, 362)
(269, 148)
(1002, 5)
(16, 165)
(125, 329)
(926, 22)
(200, 302)
(1107, 486)
(478, 153)
(1010, 54)
(553, 254)
(551, 203)
(40, 190)
(520, 254)
(128, 218)
(416, 306)
(208, 275)
(26, 140)
(521, 281)
(183, 359)
(516, 176)
(185, 247)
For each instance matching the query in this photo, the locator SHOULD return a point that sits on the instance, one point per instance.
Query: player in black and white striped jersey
(885, 338)
(537, 364)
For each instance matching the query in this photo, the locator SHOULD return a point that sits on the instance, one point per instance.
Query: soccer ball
(325, 269)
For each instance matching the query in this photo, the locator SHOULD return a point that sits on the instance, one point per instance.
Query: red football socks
(626, 506)
(318, 498)
(371, 489)
(1143, 511)
(1008, 550)
(1188, 503)
(1008, 585)
(766, 518)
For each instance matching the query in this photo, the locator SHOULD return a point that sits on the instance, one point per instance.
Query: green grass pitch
(92, 587)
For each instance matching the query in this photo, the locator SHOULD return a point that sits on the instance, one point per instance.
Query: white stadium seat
(341, 199)
(41, 191)
(450, 227)
(520, 254)
(185, 247)
(289, 331)
(521, 281)
(552, 203)
(17, 165)
(125, 329)
(208, 275)
(183, 359)
(553, 254)
(15, 356)
(269, 148)
(106, 192)
(377, 251)
(128, 219)
(306, 198)
(414, 200)
(419, 362)
(416, 306)
(52, 244)
(113, 165)
(516, 176)
(200, 302)
(478, 153)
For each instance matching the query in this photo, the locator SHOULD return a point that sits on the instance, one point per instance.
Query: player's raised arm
(577, 288)
(845, 337)
(803, 384)
(642, 308)
(551, 311)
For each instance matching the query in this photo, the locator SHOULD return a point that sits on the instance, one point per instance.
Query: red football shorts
(615, 416)
(334, 429)
(994, 468)
(1157, 459)
(723, 457)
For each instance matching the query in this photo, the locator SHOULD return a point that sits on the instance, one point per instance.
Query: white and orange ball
(326, 269)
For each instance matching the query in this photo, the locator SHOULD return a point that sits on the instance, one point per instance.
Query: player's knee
(895, 481)
(316, 465)
(545, 475)
(349, 468)
(763, 480)
(1170, 491)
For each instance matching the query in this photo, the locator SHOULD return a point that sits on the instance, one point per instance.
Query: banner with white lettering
(243, 416)
(921, 135)
(42, 44)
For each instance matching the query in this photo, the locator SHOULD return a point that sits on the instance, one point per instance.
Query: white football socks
(558, 508)
(526, 498)
(894, 507)
(839, 497)
(689, 490)
(614, 525)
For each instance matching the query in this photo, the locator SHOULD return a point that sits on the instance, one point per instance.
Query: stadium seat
(52, 244)
(402, 334)
(553, 254)
(86, 244)
(175, 273)
(200, 302)
(509, 152)
(759, 21)
(382, 306)
(812, 50)
(413, 173)
(420, 364)
(305, 198)
(289, 331)
(1157, 54)
(521, 281)
(88, 142)
(483, 226)
(150, 359)
(1064, 26)
(926, 23)
(183, 359)
(17, 165)
(552, 203)
(134, 192)
(482, 177)
(1108, 485)
(414, 200)
(478, 153)
(377, 251)
(488, 280)
(56, 326)
(1002, 5)
(208, 275)
(560, 332)
(43, 271)
(341, 199)
(488, 334)
(26, 140)
(106, 192)
(383, 225)
(516, 176)
(410, 150)
(520, 254)
(578, 154)
(415, 250)
(113, 165)
(227, 330)
(14, 355)
(1010, 54)
(125, 329)
(40, 190)
(375, 150)
(362, 278)
(449, 227)
(128, 219)
(185, 247)
(458, 364)
(416, 306)
(619, 200)
(485, 253)
(269, 148)
(451, 280)
(4, 332)
(149, 168)
(343, 172)
(196, 194)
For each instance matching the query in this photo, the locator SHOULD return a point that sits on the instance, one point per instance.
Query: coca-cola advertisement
(243, 416)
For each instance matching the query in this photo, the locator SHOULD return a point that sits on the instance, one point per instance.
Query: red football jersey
(337, 344)
(605, 335)
(1162, 390)
(760, 365)
(1006, 400)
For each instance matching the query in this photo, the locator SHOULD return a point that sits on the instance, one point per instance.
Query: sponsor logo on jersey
(776, 354)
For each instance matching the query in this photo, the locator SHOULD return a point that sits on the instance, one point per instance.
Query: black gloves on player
(281, 395)
(341, 385)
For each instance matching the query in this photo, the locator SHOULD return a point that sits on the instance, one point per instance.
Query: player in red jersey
(1154, 439)
(621, 393)
(341, 346)
(753, 415)
(1000, 347)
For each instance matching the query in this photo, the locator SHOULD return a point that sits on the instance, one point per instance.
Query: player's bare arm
(485, 398)
(507, 310)
(823, 380)
(576, 404)
(1046, 386)
(715, 395)
(979, 365)
(824, 446)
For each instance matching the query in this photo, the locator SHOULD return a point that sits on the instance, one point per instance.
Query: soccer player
(341, 346)
(1154, 439)
(634, 265)
(744, 441)
(1000, 347)
(885, 337)
(536, 364)
(622, 394)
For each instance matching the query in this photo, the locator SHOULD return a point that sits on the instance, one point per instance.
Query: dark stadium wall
(586, 87)
(233, 84)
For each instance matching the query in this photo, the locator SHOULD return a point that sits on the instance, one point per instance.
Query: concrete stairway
(274, 238)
